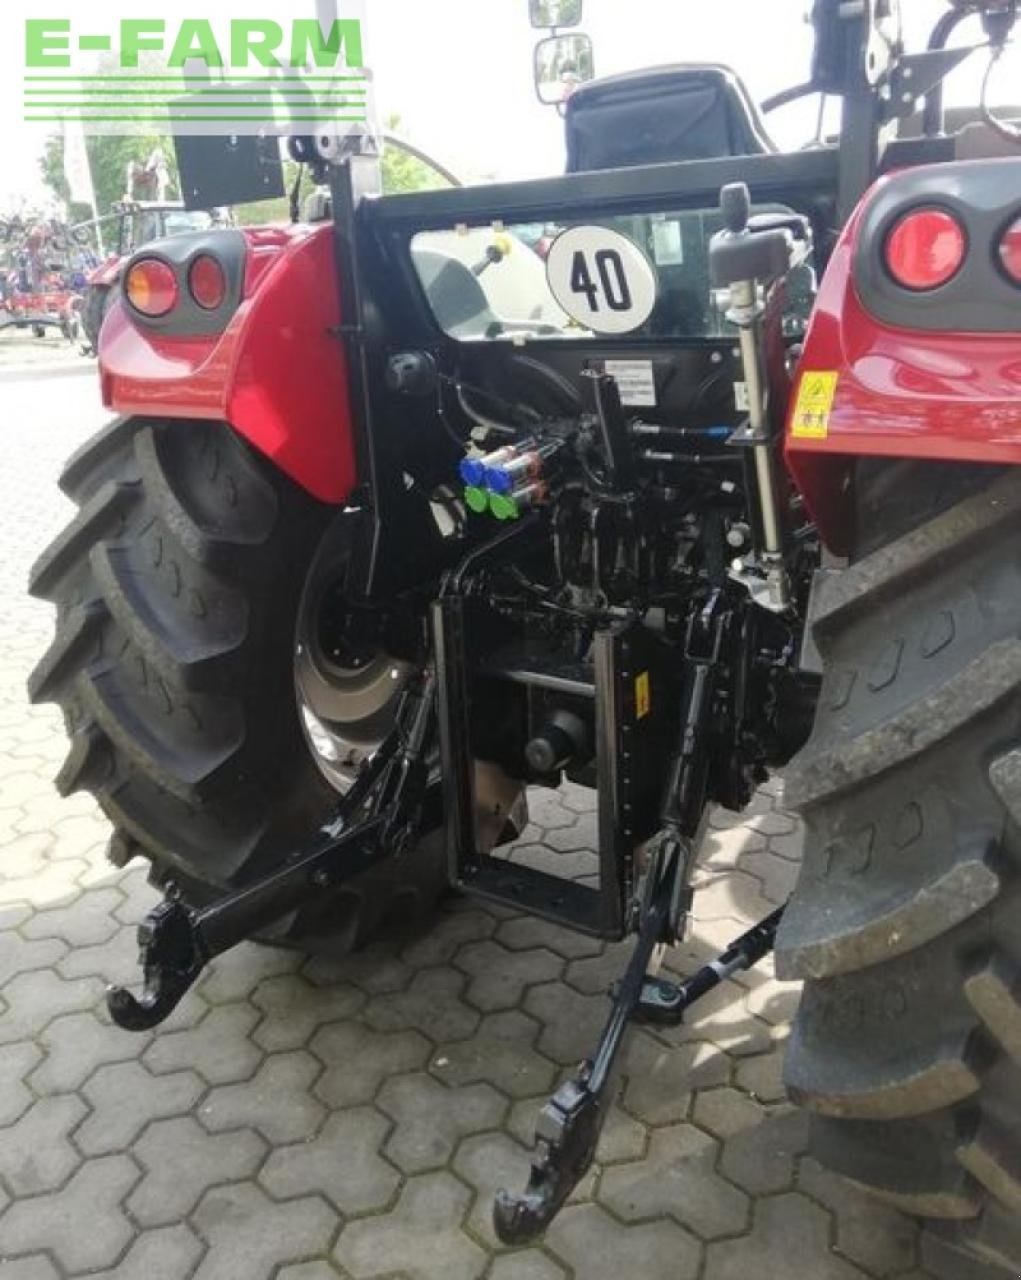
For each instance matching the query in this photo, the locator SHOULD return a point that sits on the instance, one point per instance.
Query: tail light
(207, 283)
(1010, 251)
(925, 249)
(151, 287)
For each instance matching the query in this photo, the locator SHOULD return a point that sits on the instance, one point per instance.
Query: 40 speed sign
(602, 279)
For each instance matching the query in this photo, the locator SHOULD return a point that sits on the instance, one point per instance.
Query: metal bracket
(177, 942)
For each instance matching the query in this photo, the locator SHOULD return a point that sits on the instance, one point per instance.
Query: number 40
(612, 280)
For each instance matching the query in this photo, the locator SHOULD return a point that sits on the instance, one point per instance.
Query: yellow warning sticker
(642, 701)
(811, 418)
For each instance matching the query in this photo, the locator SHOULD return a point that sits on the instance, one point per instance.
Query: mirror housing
(561, 64)
(555, 13)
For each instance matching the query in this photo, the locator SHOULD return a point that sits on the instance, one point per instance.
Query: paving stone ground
(302, 1120)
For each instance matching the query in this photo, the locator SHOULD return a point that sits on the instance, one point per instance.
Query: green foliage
(402, 172)
(109, 158)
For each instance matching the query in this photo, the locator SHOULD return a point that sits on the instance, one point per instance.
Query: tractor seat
(689, 111)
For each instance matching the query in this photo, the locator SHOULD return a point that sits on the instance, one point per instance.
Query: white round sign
(601, 279)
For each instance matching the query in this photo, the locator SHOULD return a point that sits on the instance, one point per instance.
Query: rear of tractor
(399, 522)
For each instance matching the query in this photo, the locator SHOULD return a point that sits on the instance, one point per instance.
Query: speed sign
(602, 279)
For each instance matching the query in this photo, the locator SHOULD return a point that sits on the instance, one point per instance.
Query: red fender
(277, 372)
(894, 392)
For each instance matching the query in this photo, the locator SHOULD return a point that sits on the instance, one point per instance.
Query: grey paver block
(499, 976)
(277, 1101)
(570, 1021)
(36, 1153)
(527, 1265)
(35, 1268)
(358, 1060)
(218, 1047)
(76, 1045)
(376, 970)
(308, 1271)
(450, 932)
(591, 1242)
(500, 1053)
(87, 922)
(236, 974)
(660, 1079)
(878, 1239)
(526, 932)
(181, 1161)
(166, 1254)
(724, 1112)
(790, 1236)
(124, 1097)
(82, 1224)
(421, 1238)
(117, 957)
(762, 1077)
(249, 1236)
(677, 1178)
(762, 1160)
(16, 1061)
(32, 999)
(431, 1004)
(342, 1163)
(430, 1118)
(294, 1009)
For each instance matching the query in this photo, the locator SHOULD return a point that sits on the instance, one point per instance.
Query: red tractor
(399, 522)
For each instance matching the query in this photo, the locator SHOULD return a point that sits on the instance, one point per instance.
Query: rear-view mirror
(555, 13)
(562, 63)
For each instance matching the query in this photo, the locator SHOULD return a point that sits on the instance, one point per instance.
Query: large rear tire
(178, 585)
(906, 923)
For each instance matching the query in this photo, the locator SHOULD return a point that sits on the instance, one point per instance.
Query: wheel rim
(347, 685)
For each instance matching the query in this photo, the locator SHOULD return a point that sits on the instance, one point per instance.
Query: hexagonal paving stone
(87, 921)
(430, 1118)
(249, 1236)
(441, 942)
(527, 1265)
(167, 1254)
(36, 1154)
(277, 1101)
(37, 1268)
(33, 999)
(294, 1009)
(878, 1239)
(660, 1079)
(432, 1004)
(762, 1160)
(500, 1053)
(358, 1060)
(181, 1161)
(677, 1178)
(499, 976)
(217, 1047)
(16, 1062)
(125, 1097)
(790, 1236)
(420, 1239)
(590, 1241)
(82, 1224)
(342, 1163)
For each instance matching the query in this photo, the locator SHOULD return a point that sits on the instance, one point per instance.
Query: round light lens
(925, 249)
(151, 287)
(1010, 251)
(207, 283)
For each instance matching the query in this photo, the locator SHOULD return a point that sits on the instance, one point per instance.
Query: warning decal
(811, 417)
(642, 700)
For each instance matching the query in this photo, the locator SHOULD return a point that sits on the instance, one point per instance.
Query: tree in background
(109, 157)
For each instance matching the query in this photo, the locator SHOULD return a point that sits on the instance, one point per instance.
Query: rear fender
(890, 373)
(276, 372)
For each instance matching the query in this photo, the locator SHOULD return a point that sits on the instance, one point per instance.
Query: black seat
(692, 111)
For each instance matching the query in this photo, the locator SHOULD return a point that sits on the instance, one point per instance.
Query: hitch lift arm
(176, 941)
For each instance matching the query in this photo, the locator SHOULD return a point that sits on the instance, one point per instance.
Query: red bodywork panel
(277, 373)
(107, 273)
(899, 393)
